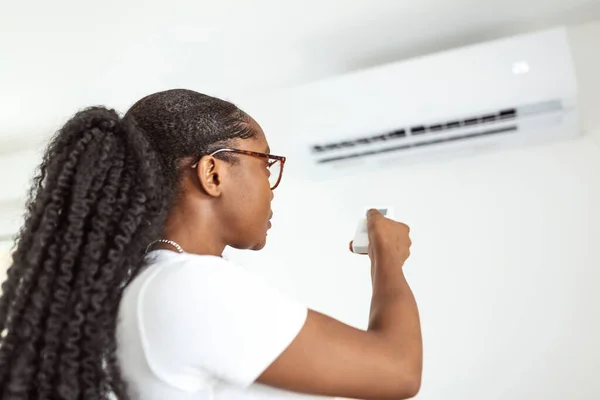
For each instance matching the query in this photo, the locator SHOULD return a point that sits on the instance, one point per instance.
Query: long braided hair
(100, 196)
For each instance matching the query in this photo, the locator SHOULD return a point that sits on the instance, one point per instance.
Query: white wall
(585, 43)
(505, 258)
(5, 258)
(17, 170)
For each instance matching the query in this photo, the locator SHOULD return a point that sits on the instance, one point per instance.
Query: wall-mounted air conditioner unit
(504, 93)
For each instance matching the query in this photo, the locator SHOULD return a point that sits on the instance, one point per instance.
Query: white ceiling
(58, 56)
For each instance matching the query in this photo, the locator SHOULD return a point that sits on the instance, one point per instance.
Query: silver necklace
(166, 241)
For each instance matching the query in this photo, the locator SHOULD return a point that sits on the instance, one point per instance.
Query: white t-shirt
(201, 328)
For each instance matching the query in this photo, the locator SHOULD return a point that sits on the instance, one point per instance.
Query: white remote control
(360, 243)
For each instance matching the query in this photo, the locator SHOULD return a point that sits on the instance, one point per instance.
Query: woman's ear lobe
(210, 175)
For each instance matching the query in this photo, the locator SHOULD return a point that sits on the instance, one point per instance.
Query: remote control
(360, 243)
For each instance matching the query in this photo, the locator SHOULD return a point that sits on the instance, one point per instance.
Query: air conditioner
(510, 92)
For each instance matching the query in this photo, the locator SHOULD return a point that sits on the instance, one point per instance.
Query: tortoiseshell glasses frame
(273, 161)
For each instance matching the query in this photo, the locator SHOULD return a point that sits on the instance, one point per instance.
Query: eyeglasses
(274, 165)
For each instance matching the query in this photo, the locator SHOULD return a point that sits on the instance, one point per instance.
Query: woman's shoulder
(168, 271)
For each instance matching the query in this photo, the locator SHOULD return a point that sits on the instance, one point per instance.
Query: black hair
(100, 196)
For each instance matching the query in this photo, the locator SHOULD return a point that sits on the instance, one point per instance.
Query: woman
(118, 289)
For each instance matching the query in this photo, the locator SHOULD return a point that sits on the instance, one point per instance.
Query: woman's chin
(259, 246)
(259, 243)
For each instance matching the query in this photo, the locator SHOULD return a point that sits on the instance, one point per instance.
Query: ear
(210, 174)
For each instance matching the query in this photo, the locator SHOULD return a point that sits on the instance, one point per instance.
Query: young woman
(118, 289)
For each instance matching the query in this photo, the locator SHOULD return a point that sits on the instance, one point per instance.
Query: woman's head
(220, 197)
(176, 166)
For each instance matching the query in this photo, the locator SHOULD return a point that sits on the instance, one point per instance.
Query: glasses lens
(275, 170)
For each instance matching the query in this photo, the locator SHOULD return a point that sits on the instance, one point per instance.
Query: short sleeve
(204, 313)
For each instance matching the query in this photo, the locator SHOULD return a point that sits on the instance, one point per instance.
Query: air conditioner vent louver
(435, 128)
(432, 141)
